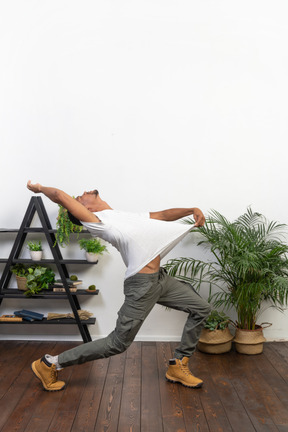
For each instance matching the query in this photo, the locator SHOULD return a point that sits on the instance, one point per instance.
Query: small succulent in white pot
(35, 249)
(93, 248)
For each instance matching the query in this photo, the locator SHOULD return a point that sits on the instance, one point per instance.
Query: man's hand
(198, 217)
(36, 188)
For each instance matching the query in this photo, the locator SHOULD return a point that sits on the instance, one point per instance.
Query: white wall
(157, 104)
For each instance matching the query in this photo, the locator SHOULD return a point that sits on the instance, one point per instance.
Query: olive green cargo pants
(142, 292)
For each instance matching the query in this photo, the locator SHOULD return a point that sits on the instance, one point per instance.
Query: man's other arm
(178, 213)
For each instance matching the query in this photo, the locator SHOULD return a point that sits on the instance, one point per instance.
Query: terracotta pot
(249, 341)
(21, 283)
(215, 342)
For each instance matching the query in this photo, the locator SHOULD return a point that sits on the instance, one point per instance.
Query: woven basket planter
(249, 341)
(21, 283)
(215, 342)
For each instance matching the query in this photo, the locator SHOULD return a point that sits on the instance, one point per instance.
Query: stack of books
(28, 315)
(73, 285)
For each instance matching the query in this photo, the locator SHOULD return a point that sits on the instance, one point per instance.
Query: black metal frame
(36, 205)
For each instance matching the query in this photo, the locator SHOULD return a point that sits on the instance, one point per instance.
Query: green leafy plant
(19, 270)
(65, 228)
(248, 268)
(34, 245)
(92, 245)
(38, 277)
(217, 321)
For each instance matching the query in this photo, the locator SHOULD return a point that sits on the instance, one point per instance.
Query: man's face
(87, 198)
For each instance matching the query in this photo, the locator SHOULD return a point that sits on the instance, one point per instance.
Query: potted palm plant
(93, 248)
(248, 270)
(215, 337)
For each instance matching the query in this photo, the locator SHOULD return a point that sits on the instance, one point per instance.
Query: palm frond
(189, 270)
(249, 264)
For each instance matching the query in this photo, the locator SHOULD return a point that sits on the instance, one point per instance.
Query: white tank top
(137, 237)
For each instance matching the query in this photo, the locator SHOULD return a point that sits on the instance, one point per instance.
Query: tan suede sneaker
(47, 374)
(179, 371)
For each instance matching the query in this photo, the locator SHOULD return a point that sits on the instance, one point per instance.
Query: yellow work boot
(179, 371)
(47, 374)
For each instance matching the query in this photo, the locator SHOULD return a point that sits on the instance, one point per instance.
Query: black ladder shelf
(36, 205)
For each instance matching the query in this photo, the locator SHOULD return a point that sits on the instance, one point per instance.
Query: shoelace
(54, 374)
(185, 369)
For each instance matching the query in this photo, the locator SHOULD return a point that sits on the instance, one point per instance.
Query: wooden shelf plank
(51, 322)
(52, 261)
(48, 261)
(36, 229)
(15, 293)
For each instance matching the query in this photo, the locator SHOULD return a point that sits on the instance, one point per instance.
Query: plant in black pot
(248, 270)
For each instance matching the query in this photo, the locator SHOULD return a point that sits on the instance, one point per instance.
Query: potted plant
(64, 227)
(215, 337)
(93, 248)
(35, 249)
(21, 273)
(36, 278)
(249, 269)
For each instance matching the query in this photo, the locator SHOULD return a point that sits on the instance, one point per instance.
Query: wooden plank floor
(129, 393)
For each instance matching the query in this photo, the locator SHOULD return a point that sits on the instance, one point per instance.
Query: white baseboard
(76, 338)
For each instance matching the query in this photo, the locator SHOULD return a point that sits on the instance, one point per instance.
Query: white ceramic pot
(36, 255)
(91, 257)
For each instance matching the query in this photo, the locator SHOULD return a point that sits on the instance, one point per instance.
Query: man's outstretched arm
(60, 197)
(178, 213)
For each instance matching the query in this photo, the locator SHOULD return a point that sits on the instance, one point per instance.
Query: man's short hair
(73, 219)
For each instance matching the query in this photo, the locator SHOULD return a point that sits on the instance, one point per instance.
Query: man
(142, 240)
